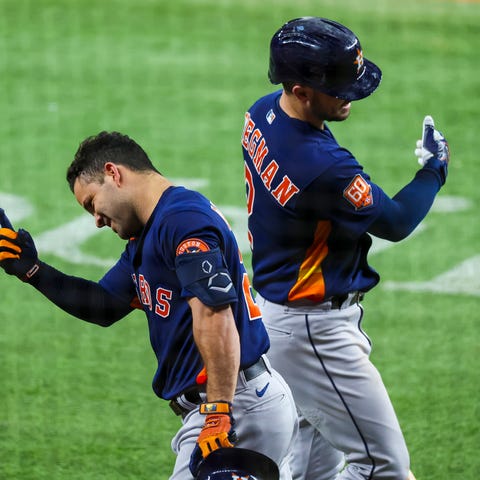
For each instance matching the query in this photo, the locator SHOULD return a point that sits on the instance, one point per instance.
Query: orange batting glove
(217, 432)
(18, 255)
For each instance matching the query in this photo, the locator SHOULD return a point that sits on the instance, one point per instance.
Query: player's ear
(111, 170)
(302, 93)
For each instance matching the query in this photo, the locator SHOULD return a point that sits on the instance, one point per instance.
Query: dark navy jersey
(183, 223)
(310, 205)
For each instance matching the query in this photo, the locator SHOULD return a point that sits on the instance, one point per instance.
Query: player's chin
(340, 114)
(123, 235)
(127, 232)
(338, 117)
(344, 111)
(119, 232)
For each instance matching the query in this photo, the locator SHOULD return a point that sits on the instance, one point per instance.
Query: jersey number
(253, 309)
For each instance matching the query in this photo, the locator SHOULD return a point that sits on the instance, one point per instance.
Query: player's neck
(150, 189)
(295, 109)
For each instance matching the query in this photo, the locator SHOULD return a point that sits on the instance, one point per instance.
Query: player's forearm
(79, 297)
(402, 214)
(217, 339)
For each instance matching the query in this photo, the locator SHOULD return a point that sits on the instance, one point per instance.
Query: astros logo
(192, 245)
(359, 60)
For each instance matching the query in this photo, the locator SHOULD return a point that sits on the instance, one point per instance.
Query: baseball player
(311, 208)
(182, 266)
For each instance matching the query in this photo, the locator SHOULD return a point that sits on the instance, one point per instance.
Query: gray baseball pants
(265, 421)
(348, 427)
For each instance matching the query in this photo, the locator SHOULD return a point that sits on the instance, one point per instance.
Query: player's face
(109, 205)
(326, 108)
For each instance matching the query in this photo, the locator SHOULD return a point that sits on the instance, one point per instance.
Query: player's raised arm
(79, 297)
(402, 213)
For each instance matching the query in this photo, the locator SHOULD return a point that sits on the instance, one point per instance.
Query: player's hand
(217, 432)
(432, 144)
(18, 255)
(432, 150)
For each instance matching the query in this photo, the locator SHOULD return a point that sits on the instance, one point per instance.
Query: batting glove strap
(220, 406)
(18, 255)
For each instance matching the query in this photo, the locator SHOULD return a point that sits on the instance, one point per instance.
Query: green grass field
(75, 399)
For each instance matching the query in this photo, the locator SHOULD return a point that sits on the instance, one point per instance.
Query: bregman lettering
(254, 143)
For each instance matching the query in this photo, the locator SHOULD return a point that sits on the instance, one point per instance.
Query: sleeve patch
(359, 193)
(192, 245)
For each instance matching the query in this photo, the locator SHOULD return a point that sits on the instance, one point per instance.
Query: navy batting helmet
(324, 55)
(237, 463)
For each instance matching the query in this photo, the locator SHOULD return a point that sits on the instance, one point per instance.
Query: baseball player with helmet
(182, 266)
(311, 210)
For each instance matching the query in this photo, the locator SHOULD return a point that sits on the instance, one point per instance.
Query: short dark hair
(288, 86)
(95, 151)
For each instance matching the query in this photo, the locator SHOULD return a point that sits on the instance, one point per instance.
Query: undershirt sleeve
(84, 299)
(401, 214)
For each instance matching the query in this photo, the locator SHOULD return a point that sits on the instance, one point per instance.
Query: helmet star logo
(359, 60)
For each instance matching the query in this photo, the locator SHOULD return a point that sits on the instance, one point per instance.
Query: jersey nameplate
(255, 144)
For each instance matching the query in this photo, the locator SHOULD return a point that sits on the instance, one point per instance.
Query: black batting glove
(18, 255)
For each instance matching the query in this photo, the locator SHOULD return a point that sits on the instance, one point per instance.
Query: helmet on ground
(237, 464)
(324, 55)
